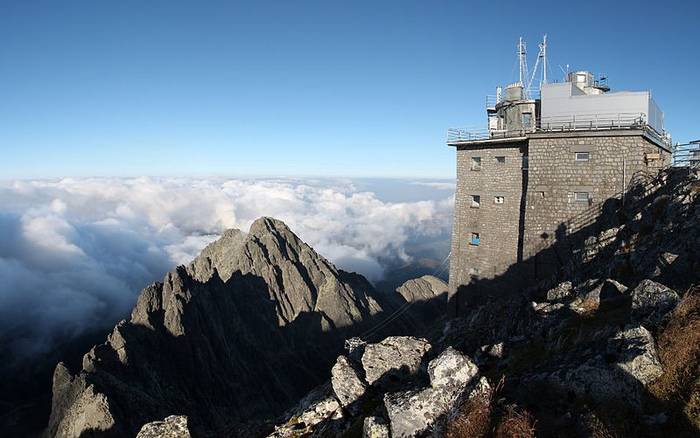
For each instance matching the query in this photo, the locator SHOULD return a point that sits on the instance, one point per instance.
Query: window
(583, 156)
(526, 162)
(501, 160)
(498, 200)
(581, 196)
(475, 239)
(476, 163)
(476, 201)
(527, 120)
(541, 194)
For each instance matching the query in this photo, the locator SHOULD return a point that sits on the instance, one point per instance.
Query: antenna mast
(523, 61)
(543, 49)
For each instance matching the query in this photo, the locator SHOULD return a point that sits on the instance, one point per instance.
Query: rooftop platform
(593, 124)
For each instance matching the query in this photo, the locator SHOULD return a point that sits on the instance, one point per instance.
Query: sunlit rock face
(232, 339)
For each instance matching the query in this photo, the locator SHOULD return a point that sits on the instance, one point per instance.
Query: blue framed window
(476, 240)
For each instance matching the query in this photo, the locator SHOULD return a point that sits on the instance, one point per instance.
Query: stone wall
(521, 226)
(555, 176)
(496, 223)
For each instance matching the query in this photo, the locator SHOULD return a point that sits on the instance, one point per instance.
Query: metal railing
(455, 135)
(579, 122)
(686, 155)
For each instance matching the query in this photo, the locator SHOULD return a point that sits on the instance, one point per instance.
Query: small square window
(583, 156)
(476, 240)
(498, 200)
(476, 201)
(541, 194)
(476, 163)
(501, 160)
(581, 196)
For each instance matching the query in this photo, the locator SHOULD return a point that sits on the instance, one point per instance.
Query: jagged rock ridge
(233, 338)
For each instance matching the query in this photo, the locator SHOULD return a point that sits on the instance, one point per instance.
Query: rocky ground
(607, 347)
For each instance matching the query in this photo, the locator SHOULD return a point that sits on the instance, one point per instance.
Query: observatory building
(548, 152)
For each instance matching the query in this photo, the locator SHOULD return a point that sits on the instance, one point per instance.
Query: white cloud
(74, 253)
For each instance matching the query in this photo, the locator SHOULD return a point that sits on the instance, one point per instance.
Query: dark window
(500, 160)
(476, 201)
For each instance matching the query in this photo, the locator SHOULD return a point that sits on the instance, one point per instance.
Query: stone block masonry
(513, 197)
(486, 228)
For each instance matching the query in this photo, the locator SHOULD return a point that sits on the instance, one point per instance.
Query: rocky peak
(233, 338)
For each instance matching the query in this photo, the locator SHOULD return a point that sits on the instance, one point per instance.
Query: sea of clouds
(74, 253)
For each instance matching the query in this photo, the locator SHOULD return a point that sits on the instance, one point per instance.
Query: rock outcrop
(231, 340)
(417, 398)
(174, 426)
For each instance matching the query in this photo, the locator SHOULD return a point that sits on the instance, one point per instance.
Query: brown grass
(679, 351)
(473, 419)
(516, 424)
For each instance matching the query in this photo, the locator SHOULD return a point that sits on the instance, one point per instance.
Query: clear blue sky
(344, 88)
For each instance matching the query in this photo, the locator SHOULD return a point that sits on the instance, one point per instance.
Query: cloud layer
(74, 253)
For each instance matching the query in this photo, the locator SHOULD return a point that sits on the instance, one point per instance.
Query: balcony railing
(579, 122)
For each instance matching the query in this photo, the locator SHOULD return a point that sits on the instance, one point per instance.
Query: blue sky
(323, 88)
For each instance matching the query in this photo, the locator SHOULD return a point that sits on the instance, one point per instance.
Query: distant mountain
(231, 340)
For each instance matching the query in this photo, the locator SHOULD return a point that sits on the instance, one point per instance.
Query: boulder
(412, 413)
(630, 364)
(451, 369)
(347, 385)
(563, 290)
(396, 357)
(635, 354)
(318, 407)
(375, 427)
(651, 302)
(174, 426)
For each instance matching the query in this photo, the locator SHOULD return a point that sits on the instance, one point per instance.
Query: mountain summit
(230, 340)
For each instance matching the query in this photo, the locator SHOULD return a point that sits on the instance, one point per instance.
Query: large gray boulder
(631, 364)
(174, 426)
(396, 356)
(316, 408)
(635, 354)
(451, 369)
(347, 385)
(412, 413)
(651, 302)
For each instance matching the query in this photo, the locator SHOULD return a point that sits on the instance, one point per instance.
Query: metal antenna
(541, 55)
(523, 66)
(543, 49)
(523, 61)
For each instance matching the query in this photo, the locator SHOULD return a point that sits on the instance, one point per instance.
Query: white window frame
(578, 156)
(476, 163)
(579, 198)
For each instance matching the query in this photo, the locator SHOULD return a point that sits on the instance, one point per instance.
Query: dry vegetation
(480, 417)
(679, 351)
(473, 418)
